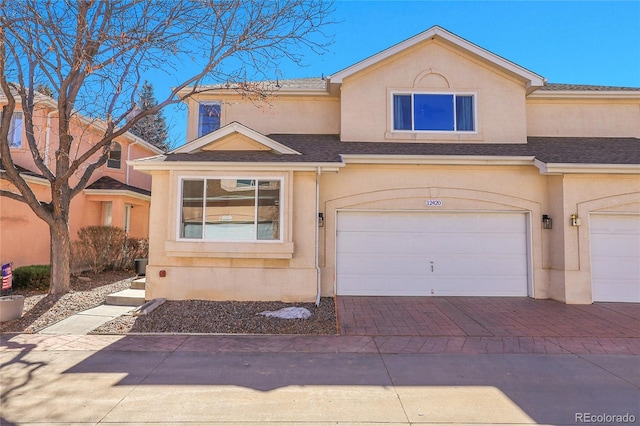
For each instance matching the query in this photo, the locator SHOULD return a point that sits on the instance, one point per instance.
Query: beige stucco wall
(319, 114)
(233, 271)
(570, 278)
(461, 188)
(587, 118)
(560, 261)
(432, 67)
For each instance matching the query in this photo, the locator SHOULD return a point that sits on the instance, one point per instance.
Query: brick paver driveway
(490, 324)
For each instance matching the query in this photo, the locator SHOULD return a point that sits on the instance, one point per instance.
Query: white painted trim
(236, 167)
(436, 31)
(234, 127)
(117, 193)
(438, 159)
(558, 168)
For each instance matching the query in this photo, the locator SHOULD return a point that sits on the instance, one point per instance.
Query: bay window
(231, 209)
(434, 112)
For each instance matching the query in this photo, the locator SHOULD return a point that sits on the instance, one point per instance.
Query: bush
(106, 247)
(34, 277)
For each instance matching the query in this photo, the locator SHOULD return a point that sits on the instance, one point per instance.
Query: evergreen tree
(153, 127)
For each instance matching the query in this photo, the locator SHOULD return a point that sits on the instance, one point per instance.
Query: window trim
(12, 129)
(109, 166)
(282, 206)
(411, 93)
(198, 129)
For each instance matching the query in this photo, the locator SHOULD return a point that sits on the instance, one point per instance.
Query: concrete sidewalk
(212, 380)
(86, 321)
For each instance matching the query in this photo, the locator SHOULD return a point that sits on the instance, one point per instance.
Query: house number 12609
(434, 203)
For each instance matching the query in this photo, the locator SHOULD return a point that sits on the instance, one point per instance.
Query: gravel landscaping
(190, 316)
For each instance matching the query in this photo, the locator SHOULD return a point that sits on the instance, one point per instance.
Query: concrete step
(138, 283)
(129, 297)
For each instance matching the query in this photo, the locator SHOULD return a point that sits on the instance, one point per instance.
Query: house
(433, 168)
(116, 195)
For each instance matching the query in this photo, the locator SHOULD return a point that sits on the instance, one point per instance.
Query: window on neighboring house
(15, 130)
(208, 117)
(231, 209)
(115, 156)
(434, 112)
(107, 209)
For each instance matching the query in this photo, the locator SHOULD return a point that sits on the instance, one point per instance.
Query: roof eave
(202, 166)
(564, 168)
(584, 94)
(532, 79)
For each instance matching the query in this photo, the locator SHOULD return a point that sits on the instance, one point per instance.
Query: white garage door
(425, 253)
(615, 257)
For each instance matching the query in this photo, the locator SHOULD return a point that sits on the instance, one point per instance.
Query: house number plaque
(434, 203)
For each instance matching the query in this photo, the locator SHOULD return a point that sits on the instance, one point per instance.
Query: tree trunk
(60, 257)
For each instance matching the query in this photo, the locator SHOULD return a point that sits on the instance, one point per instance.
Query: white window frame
(474, 95)
(119, 161)
(12, 130)
(218, 103)
(281, 208)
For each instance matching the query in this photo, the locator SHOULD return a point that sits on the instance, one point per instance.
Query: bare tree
(92, 54)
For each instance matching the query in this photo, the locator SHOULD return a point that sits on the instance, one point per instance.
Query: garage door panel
(615, 257)
(411, 253)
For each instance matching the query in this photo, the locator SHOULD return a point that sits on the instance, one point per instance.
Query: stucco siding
(583, 118)
(432, 67)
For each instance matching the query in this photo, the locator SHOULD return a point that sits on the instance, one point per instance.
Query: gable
(234, 137)
(235, 142)
(433, 67)
(437, 33)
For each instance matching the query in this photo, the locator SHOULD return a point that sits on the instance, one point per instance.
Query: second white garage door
(425, 253)
(615, 258)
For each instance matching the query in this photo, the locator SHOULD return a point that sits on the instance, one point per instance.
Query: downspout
(318, 236)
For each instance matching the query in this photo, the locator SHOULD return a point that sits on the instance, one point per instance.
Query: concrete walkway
(86, 321)
(297, 380)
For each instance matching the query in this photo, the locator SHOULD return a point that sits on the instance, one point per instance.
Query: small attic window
(208, 117)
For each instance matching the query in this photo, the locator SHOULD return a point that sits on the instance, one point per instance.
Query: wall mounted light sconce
(547, 222)
(321, 219)
(575, 220)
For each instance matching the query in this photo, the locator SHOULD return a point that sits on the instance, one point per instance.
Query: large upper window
(15, 130)
(208, 117)
(231, 209)
(434, 112)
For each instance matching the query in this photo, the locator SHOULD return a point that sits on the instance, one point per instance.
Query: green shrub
(106, 247)
(33, 277)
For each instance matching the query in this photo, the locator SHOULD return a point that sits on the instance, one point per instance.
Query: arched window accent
(115, 156)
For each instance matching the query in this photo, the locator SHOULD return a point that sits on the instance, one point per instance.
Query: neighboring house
(434, 167)
(116, 194)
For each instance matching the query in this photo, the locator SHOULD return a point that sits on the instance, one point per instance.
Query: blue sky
(578, 42)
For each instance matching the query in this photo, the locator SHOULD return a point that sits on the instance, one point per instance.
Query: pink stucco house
(434, 167)
(117, 195)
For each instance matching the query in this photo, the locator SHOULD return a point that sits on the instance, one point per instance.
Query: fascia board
(438, 159)
(220, 165)
(585, 94)
(117, 193)
(234, 127)
(532, 78)
(563, 168)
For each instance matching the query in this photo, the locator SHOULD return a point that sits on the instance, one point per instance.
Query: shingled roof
(329, 149)
(557, 87)
(108, 183)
